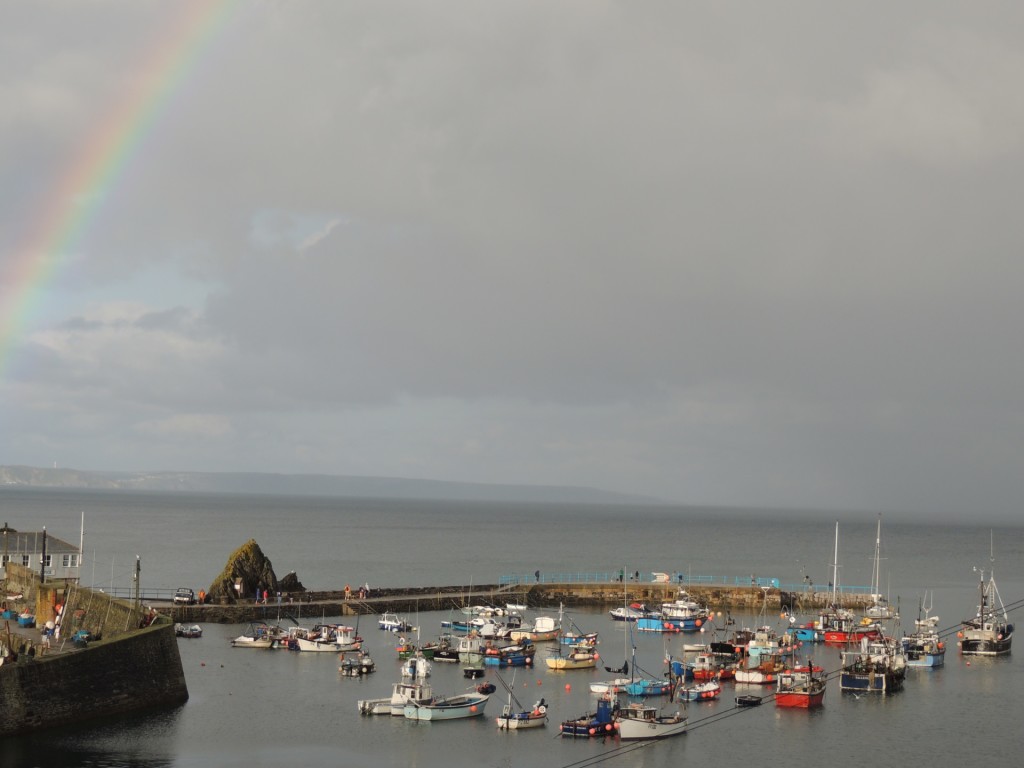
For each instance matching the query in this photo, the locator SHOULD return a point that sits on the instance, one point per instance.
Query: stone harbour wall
(137, 671)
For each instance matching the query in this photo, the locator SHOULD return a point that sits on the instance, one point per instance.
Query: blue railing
(682, 580)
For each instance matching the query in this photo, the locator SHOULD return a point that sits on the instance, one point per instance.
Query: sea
(251, 709)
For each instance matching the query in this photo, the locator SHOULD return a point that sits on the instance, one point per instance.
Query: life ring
(541, 710)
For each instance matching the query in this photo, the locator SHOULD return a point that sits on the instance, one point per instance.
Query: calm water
(250, 708)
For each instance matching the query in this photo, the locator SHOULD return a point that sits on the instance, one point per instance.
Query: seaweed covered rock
(290, 583)
(248, 568)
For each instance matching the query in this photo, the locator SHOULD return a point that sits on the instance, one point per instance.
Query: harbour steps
(546, 596)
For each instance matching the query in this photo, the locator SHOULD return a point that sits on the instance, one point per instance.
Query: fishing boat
(455, 707)
(877, 666)
(765, 671)
(990, 632)
(446, 650)
(470, 649)
(628, 612)
(706, 691)
(643, 721)
(582, 656)
(517, 655)
(355, 666)
(323, 638)
(261, 635)
(801, 687)
(684, 613)
(391, 622)
(597, 723)
(405, 691)
(514, 716)
(838, 625)
(543, 629)
(923, 647)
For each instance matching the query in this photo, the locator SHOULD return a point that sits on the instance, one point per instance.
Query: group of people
(364, 591)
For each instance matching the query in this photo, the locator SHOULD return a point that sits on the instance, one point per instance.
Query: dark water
(252, 708)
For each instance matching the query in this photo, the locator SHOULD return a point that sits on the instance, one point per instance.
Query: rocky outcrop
(251, 571)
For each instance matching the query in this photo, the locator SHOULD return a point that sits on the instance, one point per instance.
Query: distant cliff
(309, 485)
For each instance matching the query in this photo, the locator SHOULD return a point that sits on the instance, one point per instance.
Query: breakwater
(130, 664)
(541, 596)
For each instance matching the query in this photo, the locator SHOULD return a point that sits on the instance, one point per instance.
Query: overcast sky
(717, 253)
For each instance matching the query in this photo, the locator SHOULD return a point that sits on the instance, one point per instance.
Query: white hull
(642, 721)
(452, 708)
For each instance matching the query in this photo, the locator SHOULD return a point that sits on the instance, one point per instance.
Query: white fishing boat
(642, 721)
(456, 707)
(405, 691)
(261, 635)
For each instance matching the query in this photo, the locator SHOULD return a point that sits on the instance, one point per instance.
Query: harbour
(263, 708)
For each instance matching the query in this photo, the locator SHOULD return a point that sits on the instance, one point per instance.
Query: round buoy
(598, 658)
(568, 687)
(538, 681)
(592, 731)
(202, 663)
(472, 708)
(698, 622)
(608, 727)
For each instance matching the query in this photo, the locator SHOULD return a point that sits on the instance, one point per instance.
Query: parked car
(184, 596)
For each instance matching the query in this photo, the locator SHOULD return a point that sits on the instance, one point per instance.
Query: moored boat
(877, 666)
(355, 666)
(990, 632)
(801, 687)
(188, 630)
(455, 707)
(405, 691)
(923, 647)
(642, 721)
(705, 691)
(583, 656)
(597, 723)
(261, 635)
(513, 718)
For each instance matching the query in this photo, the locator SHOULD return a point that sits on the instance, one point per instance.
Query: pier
(540, 595)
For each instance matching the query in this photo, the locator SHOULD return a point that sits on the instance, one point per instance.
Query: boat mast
(835, 570)
(876, 581)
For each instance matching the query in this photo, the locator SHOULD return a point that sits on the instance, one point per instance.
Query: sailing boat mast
(835, 569)
(876, 585)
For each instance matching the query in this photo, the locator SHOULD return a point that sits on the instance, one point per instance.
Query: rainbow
(99, 163)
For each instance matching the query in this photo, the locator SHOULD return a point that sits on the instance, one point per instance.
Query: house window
(25, 560)
(69, 560)
(47, 561)
(4, 559)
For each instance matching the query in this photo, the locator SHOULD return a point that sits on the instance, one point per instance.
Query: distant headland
(309, 485)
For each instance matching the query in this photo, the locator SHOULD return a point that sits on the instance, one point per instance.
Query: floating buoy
(592, 731)
(472, 708)
(568, 687)
(608, 727)
(538, 681)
